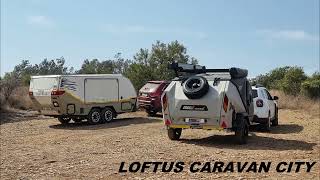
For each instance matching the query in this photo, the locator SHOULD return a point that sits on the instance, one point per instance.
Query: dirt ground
(36, 147)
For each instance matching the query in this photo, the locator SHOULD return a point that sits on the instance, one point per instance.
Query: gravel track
(34, 147)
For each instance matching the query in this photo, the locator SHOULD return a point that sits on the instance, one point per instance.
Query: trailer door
(41, 88)
(98, 90)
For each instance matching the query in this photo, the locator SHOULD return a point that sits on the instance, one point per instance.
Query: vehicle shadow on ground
(254, 143)
(13, 117)
(156, 116)
(114, 124)
(280, 129)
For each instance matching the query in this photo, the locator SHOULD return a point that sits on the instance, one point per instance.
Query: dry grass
(18, 100)
(299, 102)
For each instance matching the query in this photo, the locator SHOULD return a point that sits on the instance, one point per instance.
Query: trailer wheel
(64, 120)
(195, 87)
(242, 130)
(107, 115)
(174, 133)
(94, 117)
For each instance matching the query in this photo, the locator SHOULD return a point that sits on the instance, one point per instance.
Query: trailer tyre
(174, 133)
(64, 120)
(94, 117)
(195, 87)
(242, 130)
(107, 115)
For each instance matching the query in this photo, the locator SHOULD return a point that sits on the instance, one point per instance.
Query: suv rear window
(150, 87)
(254, 93)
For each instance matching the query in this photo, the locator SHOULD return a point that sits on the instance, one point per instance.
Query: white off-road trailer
(200, 98)
(95, 97)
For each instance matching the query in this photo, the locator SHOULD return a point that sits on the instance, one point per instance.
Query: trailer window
(150, 87)
(254, 93)
(46, 83)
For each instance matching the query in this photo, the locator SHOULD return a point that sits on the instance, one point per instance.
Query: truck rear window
(150, 87)
(254, 93)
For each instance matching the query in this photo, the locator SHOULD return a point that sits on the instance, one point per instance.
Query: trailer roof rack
(197, 69)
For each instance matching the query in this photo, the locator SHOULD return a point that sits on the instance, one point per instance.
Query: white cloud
(40, 20)
(290, 35)
(112, 28)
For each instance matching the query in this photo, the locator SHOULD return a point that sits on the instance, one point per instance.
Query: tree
(292, 80)
(311, 86)
(9, 83)
(273, 78)
(20, 76)
(118, 65)
(54, 66)
(153, 64)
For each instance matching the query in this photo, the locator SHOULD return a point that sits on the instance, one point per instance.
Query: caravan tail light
(223, 125)
(225, 103)
(259, 103)
(57, 92)
(167, 122)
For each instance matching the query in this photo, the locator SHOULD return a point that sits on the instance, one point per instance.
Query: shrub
(299, 102)
(291, 82)
(311, 86)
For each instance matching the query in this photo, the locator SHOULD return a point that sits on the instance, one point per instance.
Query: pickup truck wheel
(242, 131)
(275, 122)
(94, 117)
(195, 87)
(174, 133)
(64, 120)
(107, 115)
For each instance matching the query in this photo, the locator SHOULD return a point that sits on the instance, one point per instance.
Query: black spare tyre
(195, 87)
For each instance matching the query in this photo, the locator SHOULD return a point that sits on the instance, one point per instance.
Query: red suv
(150, 96)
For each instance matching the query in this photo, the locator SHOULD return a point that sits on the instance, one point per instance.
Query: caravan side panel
(100, 90)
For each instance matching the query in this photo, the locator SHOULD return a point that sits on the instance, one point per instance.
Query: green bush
(311, 86)
(292, 80)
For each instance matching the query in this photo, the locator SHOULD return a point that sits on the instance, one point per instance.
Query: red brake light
(223, 125)
(57, 92)
(30, 93)
(167, 122)
(259, 103)
(225, 103)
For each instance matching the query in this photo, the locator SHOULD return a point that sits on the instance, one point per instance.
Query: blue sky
(257, 35)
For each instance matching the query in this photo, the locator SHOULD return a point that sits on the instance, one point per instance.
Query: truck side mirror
(275, 97)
